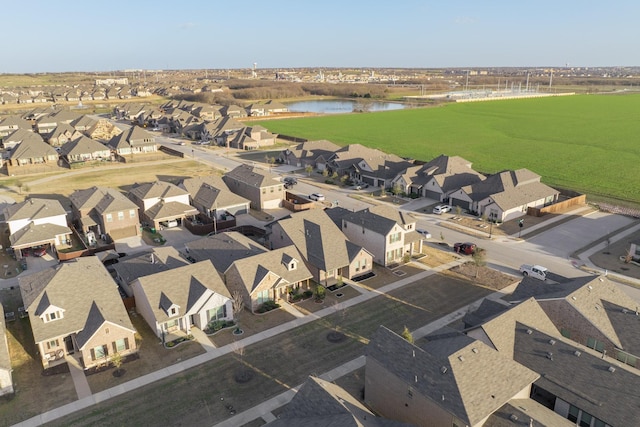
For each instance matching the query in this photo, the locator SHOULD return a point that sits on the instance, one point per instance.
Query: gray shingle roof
(74, 286)
(223, 249)
(182, 286)
(169, 210)
(102, 199)
(251, 176)
(211, 192)
(320, 403)
(34, 208)
(149, 262)
(84, 145)
(33, 234)
(456, 372)
(252, 270)
(157, 189)
(33, 148)
(318, 239)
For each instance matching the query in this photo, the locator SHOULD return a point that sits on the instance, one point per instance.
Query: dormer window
(292, 266)
(173, 311)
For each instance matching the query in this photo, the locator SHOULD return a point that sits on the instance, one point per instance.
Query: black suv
(290, 181)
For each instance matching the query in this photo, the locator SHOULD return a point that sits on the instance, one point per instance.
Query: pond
(333, 106)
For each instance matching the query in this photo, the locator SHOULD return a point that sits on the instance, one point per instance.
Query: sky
(90, 35)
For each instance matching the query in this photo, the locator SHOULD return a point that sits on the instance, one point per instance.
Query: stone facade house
(84, 149)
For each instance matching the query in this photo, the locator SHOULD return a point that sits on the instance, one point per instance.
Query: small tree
(397, 188)
(19, 185)
(270, 160)
(116, 360)
(308, 169)
(325, 172)
(344, 178)
(320, 292)
(237, 303)
(334, 175)
(479, 258)
(406, 334)
(458, 210)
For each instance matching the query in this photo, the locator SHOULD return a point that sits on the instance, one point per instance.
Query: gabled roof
(454, 371)
(34, 208)
(223, 249)
(15, 121)
(135, 136)
(320, 403)
(102, 199)
(23, 134)
(579, 376)
(313, 149)
(61, 129)
(83, 122)
(450, 172)
(211, 192)
(33, 148)
(157, 189)
(252, 270)
(510, 189)
(252, 176)
(33, 234)
(149, 262)
(169, 210)
(188, 287)
(75, 286)
(82, 145)
(318, 239)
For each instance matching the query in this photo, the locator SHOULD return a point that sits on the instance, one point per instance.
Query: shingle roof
(456, 372)
(157, 189)
(132, 137)
(188, 287)
(102, 199)
(34, 208)
(83, 145)
(33, 148)
(580, 377)
(320, 403)
(317, 238)
(169, 210)
(33, 234)
(74, 286)
(149, 262)
(15, 121)
(211, 192)
(252, 270)
(223, 249)
(251, 176)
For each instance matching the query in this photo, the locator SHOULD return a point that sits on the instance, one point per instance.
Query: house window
(357, 265)
(626, 358)
(132, 213)
(262, 296)
(217, 313)
(121, 345)
(174, 311)
(52, 316)
(99, 352)
(573, 413)
(271, 190)
(109, 217)
(120, 216)
(264, 191)
(395, 237)
(595, 344)
(52, 344)
(585, 419)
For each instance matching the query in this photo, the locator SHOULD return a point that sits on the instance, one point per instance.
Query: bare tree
(237, 303)
(479, 259)
(308, 169)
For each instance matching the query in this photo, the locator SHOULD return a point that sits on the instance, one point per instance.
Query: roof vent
(461, 358)
(475, 350)
(574, 298)
(590, 287)
(443, 397)
(597, 307)
(529, 331)
(552, 342)
(513, 417)
(415, 378)
(549, 355)
(414, 353)
(624, 310)
(611, 369)
(443, 370)
(577, 353)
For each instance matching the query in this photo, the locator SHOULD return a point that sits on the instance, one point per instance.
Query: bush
(307, 294)
(268, 306)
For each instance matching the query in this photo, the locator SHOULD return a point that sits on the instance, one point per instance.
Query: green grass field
(587, 143)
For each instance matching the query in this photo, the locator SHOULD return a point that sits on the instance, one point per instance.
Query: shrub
(268, 306)
(307, 294)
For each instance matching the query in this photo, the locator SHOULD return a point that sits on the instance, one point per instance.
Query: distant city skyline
(72, 35)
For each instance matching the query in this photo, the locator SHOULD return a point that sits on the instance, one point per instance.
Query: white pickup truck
(535, 271)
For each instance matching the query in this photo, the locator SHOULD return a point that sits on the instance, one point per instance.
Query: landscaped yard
(542, 135)
(278, 363)
(34, 392)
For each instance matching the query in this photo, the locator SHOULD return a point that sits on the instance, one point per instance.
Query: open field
(121, 176)
(585, 143)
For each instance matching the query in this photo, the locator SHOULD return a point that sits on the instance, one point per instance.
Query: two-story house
(161, 202)
(37, 222)
(133, 141)
(262, 188)
(103, 210)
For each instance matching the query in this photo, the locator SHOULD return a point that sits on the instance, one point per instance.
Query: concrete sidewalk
(213, 353)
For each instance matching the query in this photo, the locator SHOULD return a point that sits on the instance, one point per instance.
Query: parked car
(39, 250)
(440, 209)
(464, 248)
(317, 197)
(536, 271)
(425, 233)
(289, 180)
(170, 224)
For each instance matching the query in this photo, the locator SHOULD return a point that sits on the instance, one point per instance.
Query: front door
(68, 344)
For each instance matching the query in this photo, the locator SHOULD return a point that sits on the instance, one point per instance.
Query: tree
(334, 175)
(117, 360)
(458, 210)
(344, 178)
(325, 172)
(270, 160)
(397, 188)
(237, 303)
(308, 169)
(479, 258)
(320, 292)
(406, 334)
(19, 185)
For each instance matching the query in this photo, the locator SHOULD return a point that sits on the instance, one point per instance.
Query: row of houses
(500, 197)
(553, 355)
(72, 94)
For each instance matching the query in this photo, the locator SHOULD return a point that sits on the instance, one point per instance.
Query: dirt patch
(437, 255)
(482, 276)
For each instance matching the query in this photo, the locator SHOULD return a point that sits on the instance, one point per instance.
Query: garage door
(432, 195)
(457, 202)
(272, 204)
